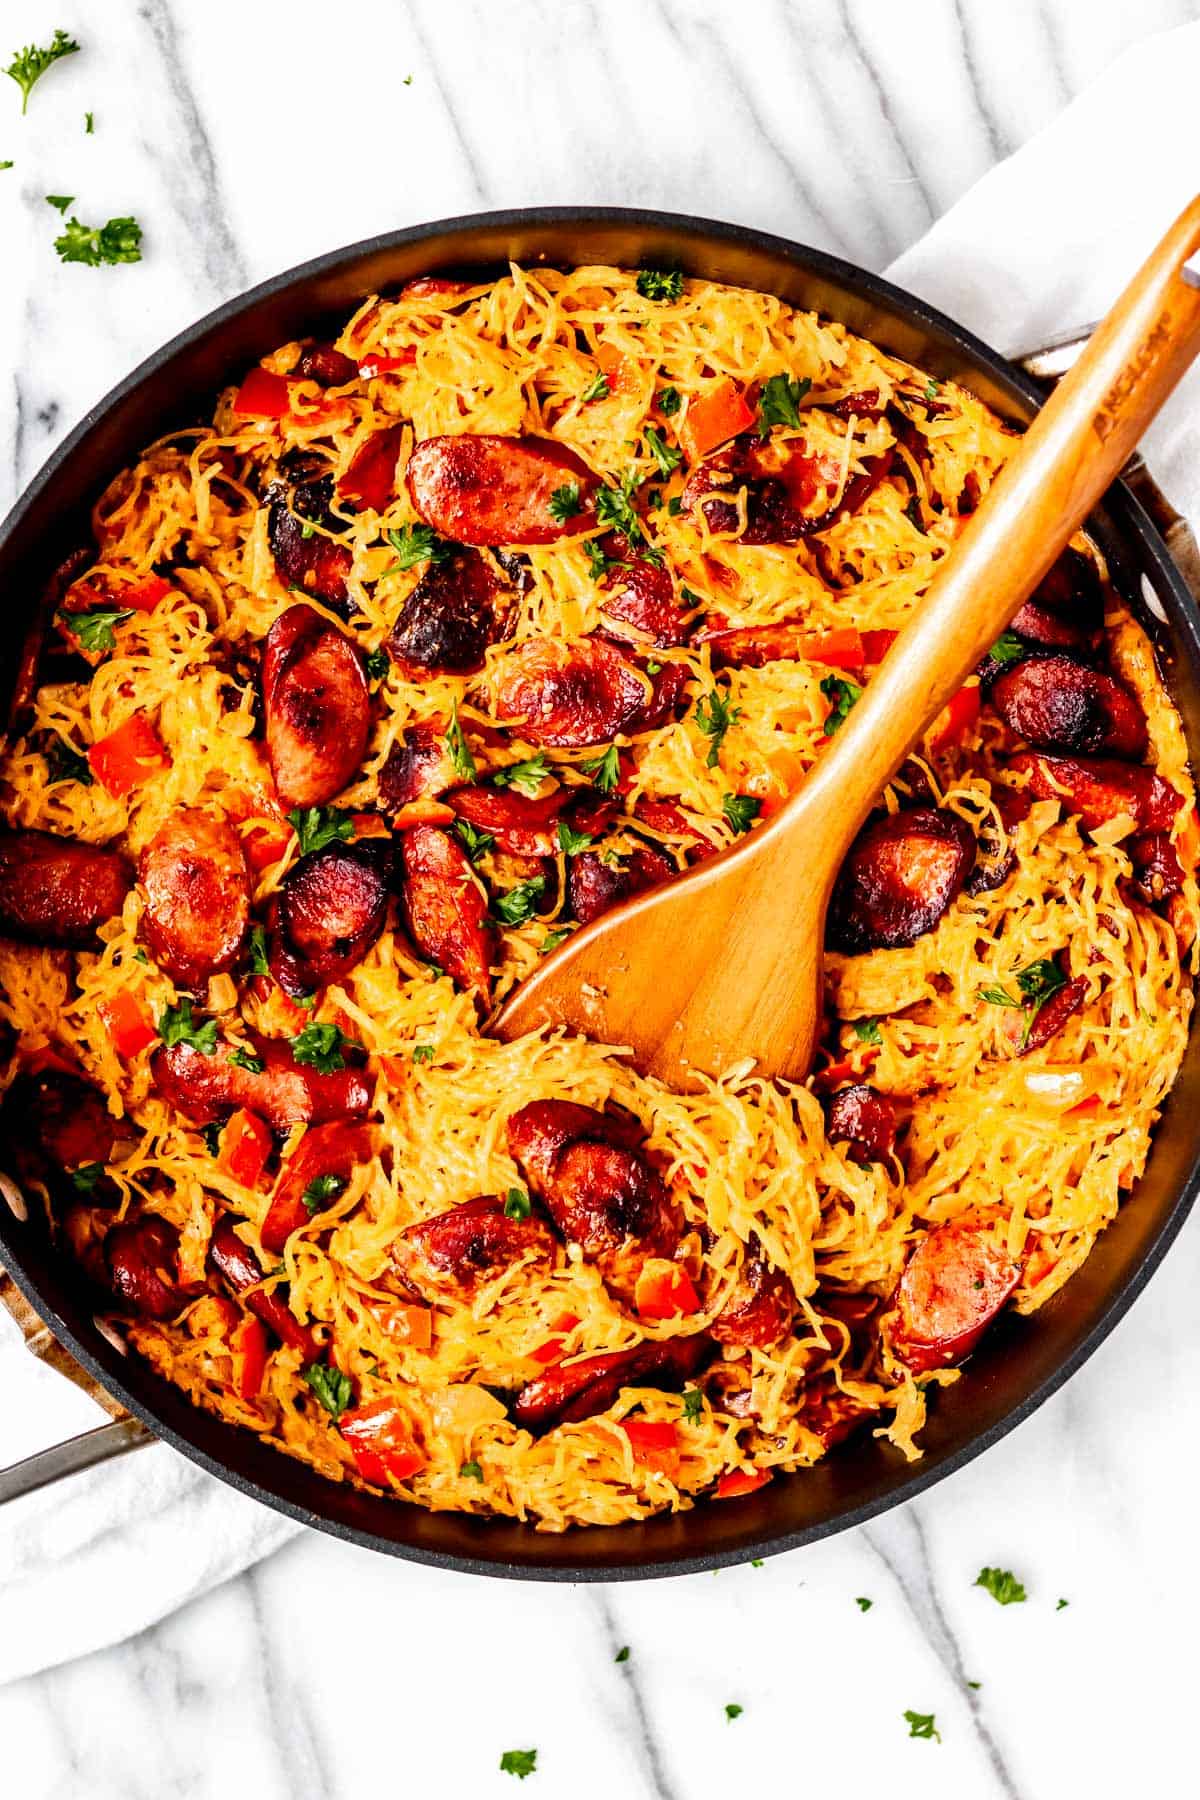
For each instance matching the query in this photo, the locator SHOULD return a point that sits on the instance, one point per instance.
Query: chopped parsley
(60, 201)
(118, 241)
(1007, 648)
(6, 165)
(932, 389)
(316, 827)
(660, 284)
(320, 1189)
(94, 630)
(598, 563)
(1035, 983)
(422, 1053)
(622, 1654)
(565, 502)
(1002, 1585)
(553, 939)
(596, 389)
(604, 770)
(87, 1175)
(867, 1031)
(615, 508)
(519, 1763)
(258, 952)
(527, 777)
(64, 763)
(321, 1047)
(862, 1603)
(921, 1725)
(246, 1059)
(30, 64)
(520, 902)
(1060, 1604)
(378, 662)
(733, 1710)
(741, 810)
(842, 694)
(693, 1405)
(668, 401)
(573, 843)
(89, 124)
(333, 1389)
(476, 843)
(471, 1471)
(456, 744)
(714, 716)
(417, 544)
(779, 402)
(517, 1204)
(177, 1026)
(756, 1562)
(212, 1138)
(667, 456)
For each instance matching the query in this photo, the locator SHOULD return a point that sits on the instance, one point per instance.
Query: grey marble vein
(997, 142)
(650, 1752)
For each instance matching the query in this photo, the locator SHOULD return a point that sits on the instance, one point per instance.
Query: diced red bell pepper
(664, 1291)
(876, 645)
(411, 1325)
(552, 1349)
(956, 719)
(621, 372)
(1085, 1108)
(249, 1347)
(848, 1069)
(144, 596)
(1187, 844)
(380, 1439)
(373, 365)
(654, 1444)
(262, 396)
(840, 649)
(714, 418)
(246, 1144)
(127, 1024)
(266, 844)
(127, 755)
(740, 1481)
(371, 478)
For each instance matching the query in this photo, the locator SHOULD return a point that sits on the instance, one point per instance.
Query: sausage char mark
(316, 564)
(453, 1253)
(418, 766)
(595, 886)
(1056, 703)
(197, 889)
(456, 611)
(954, 1283)
(334, 1149)
(901, 874)
(581, 1389)
(317, 706)
(56, 891)
(206, 1089)
(480, 489)
(326, 366)
(444, 911)
(330, 910)
(567, 694)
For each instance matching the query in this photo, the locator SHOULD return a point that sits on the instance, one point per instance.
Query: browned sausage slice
(1099, 789)
(197, 897)
(306, 558)
(867, 1119)
(761, 1308)
(418, 766)
(568, 694)
(594, 885)
(520, 825)
(54, 1121)
(54, 890)
(955, 1282)
(446, 915)
(325, 365)
(331, 908)
(370, 480)
(1056, 703)
(335, 1149)
(580, 1389)
(1053, 1014)
(143, 1263)
(1158, 872)
(754, 646)
(240, 1269)
(900, 876)
(317, 705)
(641, 605)
(478, 489)
(456, 611)
(284, 1092)
(539, 1132)
(456, 1251)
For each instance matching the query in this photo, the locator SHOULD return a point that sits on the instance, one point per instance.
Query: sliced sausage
(1055, 703)
(240, 1269)
(954, 1283)
(595, 886)
(997, 856)
(760, 1311)
(1053, 1014)
(284, 1092)
(317, 705)
(578, 1390)
(1071, 589)
(521, 826)
(478, 489)
(53, 1121)
(864, 1118)
(1158, 873)
(541, 1131)
(754, 646)
(325, 365)
(1099, 789)
(641, 595)
(567, 694)
(450, 1255)
(456, 611)
(446, 915)
(668, 685)
(830, 1414)
(197, 888)
(900, 876)
(370, 481)
(143, 1263)
(333, 1149)
(781, 482)
(56, 891)
(418, 766)
(331, 908)
(315, 563)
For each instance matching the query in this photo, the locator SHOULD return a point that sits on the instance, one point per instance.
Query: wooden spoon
(724, 964)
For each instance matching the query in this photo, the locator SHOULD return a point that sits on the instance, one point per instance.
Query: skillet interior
(1023, 1360)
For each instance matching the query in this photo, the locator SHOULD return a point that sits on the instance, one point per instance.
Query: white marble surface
(246, 138)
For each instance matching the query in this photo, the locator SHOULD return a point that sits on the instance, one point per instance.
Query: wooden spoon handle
(1070, 454)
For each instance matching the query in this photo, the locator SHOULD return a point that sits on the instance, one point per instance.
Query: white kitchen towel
(1043, 243)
